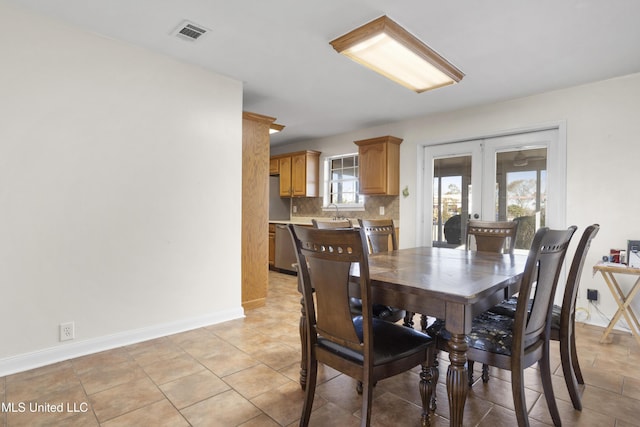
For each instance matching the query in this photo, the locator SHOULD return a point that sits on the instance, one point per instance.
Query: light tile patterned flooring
(245, 372)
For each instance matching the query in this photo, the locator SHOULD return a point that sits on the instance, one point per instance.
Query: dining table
(445, 283)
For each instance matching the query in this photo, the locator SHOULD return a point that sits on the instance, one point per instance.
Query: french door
(512, 177)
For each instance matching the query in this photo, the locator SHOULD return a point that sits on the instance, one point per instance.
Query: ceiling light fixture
(274, 128)
(385, 47)
(520, 159)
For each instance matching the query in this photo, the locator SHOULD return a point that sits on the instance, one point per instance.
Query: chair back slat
(540, 278)
(324, 259)
(332, 315)
(381, 234)
(575, 272)
(492, 236)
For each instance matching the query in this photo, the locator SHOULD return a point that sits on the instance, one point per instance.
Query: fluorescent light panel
(385, 47)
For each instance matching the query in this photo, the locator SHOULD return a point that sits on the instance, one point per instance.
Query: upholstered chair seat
(489, 332)
(508, 308)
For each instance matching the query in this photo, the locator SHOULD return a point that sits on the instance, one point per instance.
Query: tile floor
(245, 373)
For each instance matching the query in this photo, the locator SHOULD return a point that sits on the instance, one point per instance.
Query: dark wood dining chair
(492, 236)
(340, 223)
(516, 342)
(563, 317)
(364, 347)
(381, 234)
(381, 237)
(382, 311)
(489, 236)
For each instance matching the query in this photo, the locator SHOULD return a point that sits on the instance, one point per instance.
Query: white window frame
(327, 186)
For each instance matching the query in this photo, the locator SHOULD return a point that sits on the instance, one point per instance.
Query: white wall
(111, 159)
(603, 130)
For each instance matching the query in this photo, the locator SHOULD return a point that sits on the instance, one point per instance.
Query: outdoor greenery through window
(342, 185)
(521, 191)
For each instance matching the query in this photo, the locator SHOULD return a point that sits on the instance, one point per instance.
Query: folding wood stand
(608, 272)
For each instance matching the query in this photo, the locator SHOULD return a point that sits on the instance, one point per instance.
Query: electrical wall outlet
(295, 209)
(381, 210)
(67, 331)
(592, 294)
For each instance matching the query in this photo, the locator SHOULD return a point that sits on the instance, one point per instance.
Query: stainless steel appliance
(285, 252)
(279, 208)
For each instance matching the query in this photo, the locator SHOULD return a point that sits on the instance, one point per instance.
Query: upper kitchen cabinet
(299, 173)
(274, 166)
(379, 165)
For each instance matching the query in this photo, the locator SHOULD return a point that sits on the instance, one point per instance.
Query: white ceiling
(280, 50)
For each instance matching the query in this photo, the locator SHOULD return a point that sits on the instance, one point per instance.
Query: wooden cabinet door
(299, 174)
(379, 165)
(274, 166)
(373, 169)
(285, 176)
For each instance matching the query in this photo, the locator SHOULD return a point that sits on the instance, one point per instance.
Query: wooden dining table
(449, 284)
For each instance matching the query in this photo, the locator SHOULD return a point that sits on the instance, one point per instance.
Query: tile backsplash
(312, 207)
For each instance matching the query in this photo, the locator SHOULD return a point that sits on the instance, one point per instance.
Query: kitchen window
(342, 182)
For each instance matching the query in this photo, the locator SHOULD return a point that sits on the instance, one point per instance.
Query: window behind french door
(513, 177)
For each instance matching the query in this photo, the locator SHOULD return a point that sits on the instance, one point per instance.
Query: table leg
(614, 288)
(628, 313)
(623, 306)
(457, 387)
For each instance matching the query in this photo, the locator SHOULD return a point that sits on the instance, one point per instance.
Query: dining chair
(381, 237)
(382, 311)
(381, 234)
(340, 223)
(492, 236)
(489, 236)
(563, 317)
(516, 342)
(364, 347)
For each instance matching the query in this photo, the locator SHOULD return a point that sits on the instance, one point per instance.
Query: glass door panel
(451, 172)
(521, 185)
(451, 190)
(528, 171)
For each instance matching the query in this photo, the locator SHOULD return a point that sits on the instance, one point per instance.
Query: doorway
(519, 176)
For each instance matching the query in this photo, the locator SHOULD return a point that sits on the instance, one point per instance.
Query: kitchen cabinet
(285, 176)
(379, 165)
(299, 174)
(274, 166)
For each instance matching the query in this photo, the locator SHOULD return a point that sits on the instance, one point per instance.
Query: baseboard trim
(256, 303)
(70, 350)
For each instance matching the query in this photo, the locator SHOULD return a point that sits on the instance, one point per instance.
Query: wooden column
(255, 209)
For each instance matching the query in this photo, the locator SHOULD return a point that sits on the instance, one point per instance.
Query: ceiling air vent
(189, 31)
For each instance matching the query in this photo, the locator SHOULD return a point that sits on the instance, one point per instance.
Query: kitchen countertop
(294, 220)
(301, 220)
